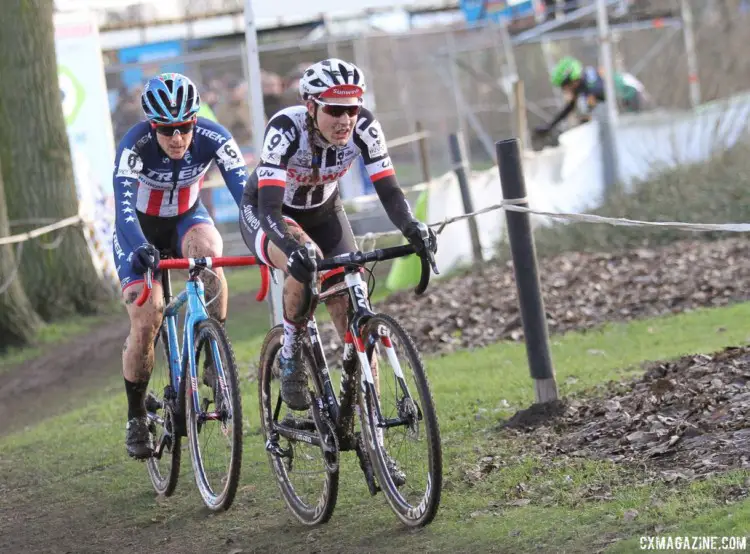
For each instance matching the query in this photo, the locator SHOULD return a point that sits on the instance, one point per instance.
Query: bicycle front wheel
(404, 444)
(213, 417)
(308, 483)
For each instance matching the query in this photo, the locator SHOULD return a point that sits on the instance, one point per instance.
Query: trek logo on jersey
(143, 140)
(190, 173)
(118, 249)
(213, 135)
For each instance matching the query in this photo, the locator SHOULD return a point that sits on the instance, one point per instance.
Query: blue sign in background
(496, 10)
(160, 54)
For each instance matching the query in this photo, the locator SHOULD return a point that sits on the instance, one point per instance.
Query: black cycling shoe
(397, 475)
(293, 384)
(138, 439)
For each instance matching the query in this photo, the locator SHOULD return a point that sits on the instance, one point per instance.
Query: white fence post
(258, 117)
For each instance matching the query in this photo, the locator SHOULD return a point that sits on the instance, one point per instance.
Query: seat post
(166, 284)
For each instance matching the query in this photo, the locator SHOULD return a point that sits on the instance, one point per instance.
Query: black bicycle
(395, 408)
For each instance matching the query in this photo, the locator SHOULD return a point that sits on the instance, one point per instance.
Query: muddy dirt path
(64, 373)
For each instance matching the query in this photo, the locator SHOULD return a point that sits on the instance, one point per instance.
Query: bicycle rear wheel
(308, 483)
(214, 435)
(161, 402)
(411, 436)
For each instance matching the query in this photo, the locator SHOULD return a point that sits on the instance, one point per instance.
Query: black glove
(145, 257)
(300, 266)
(413, 234)
(542, 130)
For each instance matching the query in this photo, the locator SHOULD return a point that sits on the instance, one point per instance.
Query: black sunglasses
(171, 130)
(337, 110)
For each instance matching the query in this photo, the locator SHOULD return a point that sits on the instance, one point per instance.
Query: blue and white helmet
(170, 98)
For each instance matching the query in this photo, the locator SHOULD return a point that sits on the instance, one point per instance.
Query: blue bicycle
(207, 411)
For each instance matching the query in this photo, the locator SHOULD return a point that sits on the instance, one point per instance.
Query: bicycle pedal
(152, 403)
(273, 447)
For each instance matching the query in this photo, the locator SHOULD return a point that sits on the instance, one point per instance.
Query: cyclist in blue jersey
(159, 169)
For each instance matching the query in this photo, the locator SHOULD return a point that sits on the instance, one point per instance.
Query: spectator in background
(233, 111)
(290, 95)
(128, 110)
(273, 88)
(567, 7)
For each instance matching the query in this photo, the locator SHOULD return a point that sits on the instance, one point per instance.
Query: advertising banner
(85, 103)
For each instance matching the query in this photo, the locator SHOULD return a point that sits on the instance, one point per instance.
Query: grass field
(67, 485)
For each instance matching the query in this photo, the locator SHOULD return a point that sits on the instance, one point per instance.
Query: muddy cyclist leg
(204, 240)
(138, 362)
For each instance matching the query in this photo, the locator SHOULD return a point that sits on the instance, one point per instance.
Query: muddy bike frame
(183, 359)
(341, 414)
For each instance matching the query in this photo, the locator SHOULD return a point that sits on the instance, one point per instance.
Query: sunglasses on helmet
(171, 130)
(337, 110)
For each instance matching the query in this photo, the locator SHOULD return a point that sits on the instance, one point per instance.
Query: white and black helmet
(332, 78)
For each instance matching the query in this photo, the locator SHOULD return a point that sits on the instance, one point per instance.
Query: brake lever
(424, 233)
(312, 254)
(433, 263)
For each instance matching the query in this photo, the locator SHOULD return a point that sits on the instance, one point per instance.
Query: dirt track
(65, 373)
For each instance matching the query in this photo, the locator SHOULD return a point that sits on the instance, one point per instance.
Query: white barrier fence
(569, 178)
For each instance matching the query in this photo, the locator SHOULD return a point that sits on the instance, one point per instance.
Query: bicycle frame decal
(175, 361)
(390, 352)
(196, 312)
(359, 301)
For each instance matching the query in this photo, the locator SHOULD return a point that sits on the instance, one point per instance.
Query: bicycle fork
(367, 381)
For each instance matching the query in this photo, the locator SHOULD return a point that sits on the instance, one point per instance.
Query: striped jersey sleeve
(280, 143)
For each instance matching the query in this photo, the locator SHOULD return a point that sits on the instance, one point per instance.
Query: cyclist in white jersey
(293, 197)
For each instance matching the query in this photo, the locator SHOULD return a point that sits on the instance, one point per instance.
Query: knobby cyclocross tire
(164, 479)
(413, 514)
(307, 513)
(207, 332)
